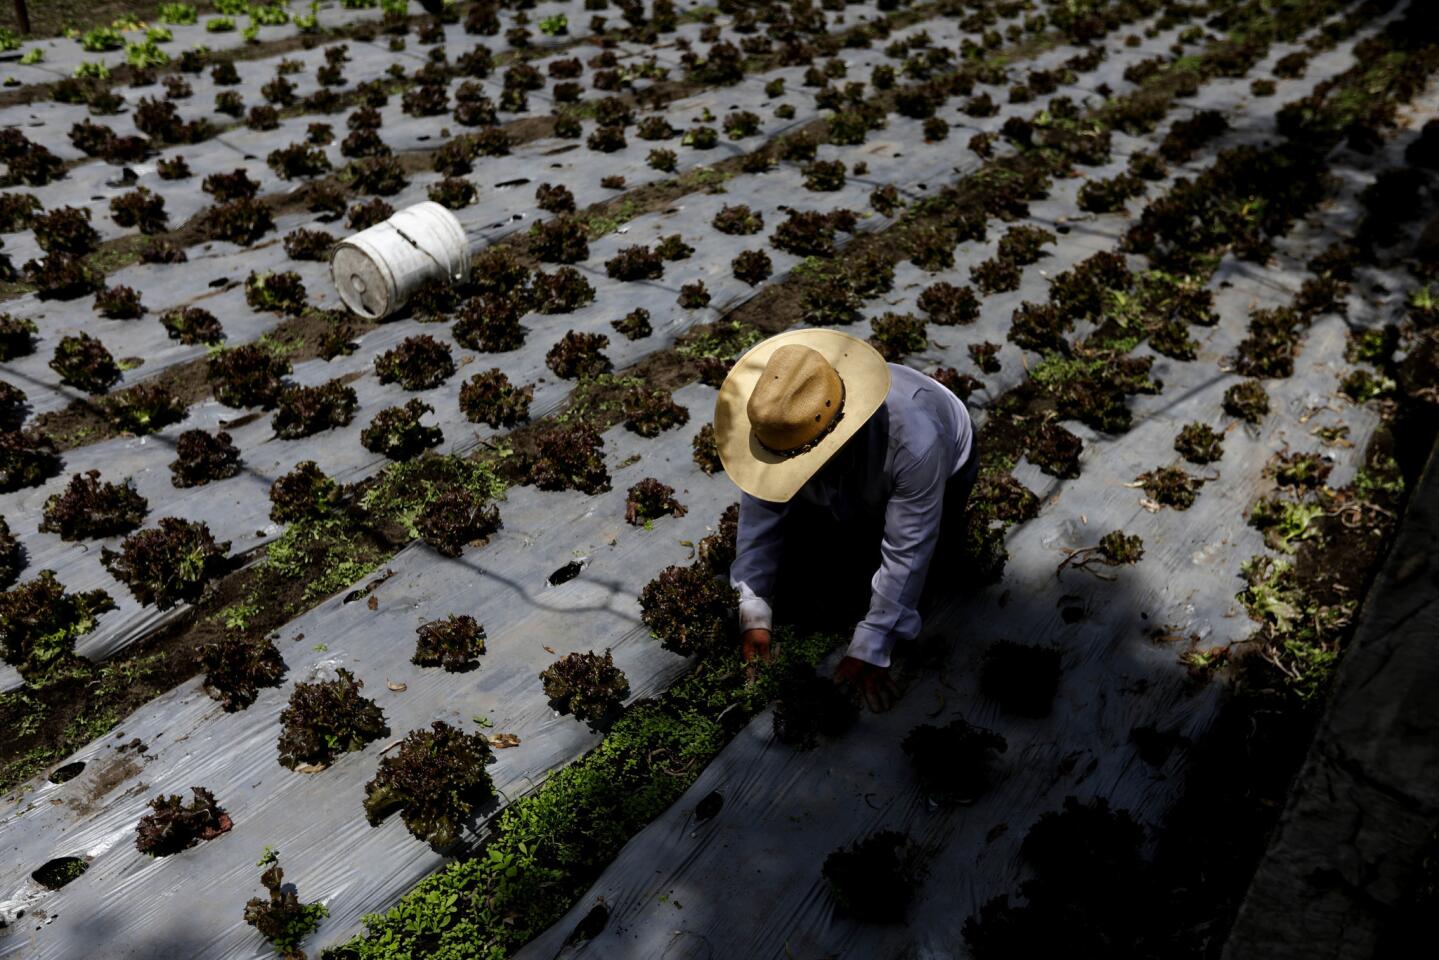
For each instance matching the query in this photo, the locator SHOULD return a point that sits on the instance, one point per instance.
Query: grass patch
(546, 848)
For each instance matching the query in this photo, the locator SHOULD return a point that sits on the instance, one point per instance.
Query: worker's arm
(758, 545)
(911, 530)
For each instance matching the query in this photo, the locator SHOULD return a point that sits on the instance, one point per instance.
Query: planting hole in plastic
(709, 807)
(592, 925)
(566, 573)
(59, 872)
(68, 772)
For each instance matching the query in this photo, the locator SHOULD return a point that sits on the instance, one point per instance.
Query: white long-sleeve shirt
(900, 461)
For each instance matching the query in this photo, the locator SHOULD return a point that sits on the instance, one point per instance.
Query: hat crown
(795, 399)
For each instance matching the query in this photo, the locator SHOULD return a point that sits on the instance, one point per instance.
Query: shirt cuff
(870, 645)
(755, 614)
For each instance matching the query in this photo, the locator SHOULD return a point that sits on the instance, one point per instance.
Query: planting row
(527, 625)
(130, 826)
(1114, 549)
(488, 213)
(483, 86)
(227, 839)
(167, 140)
(129, 42)
(236, 509)
(1134, 704)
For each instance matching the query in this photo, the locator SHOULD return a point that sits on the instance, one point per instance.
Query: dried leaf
(502, 740)
(549, 649)
(373, 603)
(397, 686)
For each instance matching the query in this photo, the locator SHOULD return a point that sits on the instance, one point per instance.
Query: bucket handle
(433, 259)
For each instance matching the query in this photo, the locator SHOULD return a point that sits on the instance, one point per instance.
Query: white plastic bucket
(378, 269)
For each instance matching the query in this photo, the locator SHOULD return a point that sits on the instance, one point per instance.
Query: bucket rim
(381, 267)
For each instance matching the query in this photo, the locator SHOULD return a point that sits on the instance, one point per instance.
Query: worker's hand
(872, 683)
(754, 644)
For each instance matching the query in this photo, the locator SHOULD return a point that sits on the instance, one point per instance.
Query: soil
(121, 766)
(1153, 745)
(85, 421)
(75, 708)
(54, 874)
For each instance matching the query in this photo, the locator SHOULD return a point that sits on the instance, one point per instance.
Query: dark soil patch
(85, 421)
(84, 700)
(54, 874)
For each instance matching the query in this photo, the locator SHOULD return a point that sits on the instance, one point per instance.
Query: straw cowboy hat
(790, 403)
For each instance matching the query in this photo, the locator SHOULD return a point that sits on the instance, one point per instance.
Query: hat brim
(771, 476)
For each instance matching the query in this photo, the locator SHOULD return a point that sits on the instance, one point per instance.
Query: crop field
(413, 637)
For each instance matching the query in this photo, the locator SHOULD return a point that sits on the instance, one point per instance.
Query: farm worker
(852, 469)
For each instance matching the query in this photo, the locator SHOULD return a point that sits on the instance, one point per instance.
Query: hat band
(812, 442)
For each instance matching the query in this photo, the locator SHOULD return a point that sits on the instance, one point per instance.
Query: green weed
(548, 846)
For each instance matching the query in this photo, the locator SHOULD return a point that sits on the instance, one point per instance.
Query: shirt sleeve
(758, 545)
(911, 530)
